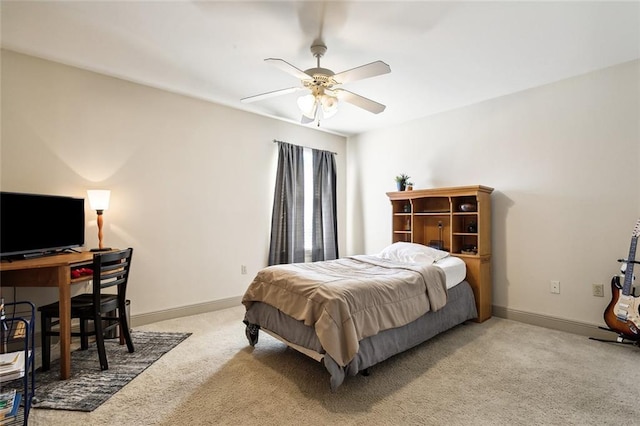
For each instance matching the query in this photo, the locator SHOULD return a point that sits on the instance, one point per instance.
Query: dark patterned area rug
(88, 386)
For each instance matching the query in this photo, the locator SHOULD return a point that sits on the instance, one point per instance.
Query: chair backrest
(111, 269)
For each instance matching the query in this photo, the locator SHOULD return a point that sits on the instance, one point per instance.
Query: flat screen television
(34, 224)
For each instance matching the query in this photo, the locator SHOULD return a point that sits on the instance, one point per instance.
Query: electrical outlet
(555, 287)
(243, 269)
(598, 290)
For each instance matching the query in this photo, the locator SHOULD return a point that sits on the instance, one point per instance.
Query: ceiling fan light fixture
(329, 105)
(307, 105)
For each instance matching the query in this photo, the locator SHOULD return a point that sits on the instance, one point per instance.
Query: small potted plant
(401, 181)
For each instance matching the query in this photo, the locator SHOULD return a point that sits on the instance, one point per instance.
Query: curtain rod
(276, 141)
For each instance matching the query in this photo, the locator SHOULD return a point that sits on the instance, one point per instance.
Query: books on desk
(11, 366)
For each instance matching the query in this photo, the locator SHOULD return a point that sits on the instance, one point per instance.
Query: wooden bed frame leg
(251, 332)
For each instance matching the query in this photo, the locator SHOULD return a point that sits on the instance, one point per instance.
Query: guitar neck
(628, 273)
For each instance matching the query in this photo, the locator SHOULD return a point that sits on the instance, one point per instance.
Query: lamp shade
(307, 105)
(329, 105)
(99, 198)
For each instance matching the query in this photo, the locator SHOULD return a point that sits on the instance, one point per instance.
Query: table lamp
(99, 201)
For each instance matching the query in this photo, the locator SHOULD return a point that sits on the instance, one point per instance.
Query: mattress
(455, 270)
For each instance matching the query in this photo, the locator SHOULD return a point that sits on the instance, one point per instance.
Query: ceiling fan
(323, 86)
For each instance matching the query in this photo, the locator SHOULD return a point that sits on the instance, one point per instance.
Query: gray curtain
(325, 225)
(287, 221)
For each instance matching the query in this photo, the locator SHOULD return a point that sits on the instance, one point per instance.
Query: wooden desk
(50, 271)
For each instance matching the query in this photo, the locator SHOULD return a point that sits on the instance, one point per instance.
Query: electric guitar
(623, 313)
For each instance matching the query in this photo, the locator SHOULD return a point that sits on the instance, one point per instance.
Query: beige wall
(192, 182)
(563, 159)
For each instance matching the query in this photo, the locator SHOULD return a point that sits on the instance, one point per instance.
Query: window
(304, 223)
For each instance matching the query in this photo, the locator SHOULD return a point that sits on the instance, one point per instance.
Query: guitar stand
(621, 339)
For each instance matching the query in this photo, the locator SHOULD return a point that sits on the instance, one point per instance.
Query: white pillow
(412, 253)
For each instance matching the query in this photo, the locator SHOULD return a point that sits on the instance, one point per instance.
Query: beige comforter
(348, 299)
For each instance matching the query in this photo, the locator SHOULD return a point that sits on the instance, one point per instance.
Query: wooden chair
(110, 269)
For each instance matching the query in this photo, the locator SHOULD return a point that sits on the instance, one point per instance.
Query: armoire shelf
(455, 219)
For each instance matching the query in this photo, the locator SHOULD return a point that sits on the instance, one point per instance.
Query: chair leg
(124, 326)
(114, 314)
(120, 335)
(120, 327)
(102, 353)
(45, 329)
(84, 337)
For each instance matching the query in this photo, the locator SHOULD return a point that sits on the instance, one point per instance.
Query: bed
(354, 312)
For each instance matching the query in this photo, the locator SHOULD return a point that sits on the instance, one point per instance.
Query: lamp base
(101, 249)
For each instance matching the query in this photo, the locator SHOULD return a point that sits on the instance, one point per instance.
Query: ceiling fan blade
(270, 94)
(288, 68)
(365, 71)
(360, 101)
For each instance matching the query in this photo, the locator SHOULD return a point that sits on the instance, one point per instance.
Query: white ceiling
(443, 55)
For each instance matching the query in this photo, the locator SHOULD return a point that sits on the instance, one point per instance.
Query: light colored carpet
(500, 372)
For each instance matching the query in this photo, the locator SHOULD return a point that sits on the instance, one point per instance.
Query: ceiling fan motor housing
(320, 76)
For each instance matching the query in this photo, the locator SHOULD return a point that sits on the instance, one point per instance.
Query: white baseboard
(575, 327)
(184, 311)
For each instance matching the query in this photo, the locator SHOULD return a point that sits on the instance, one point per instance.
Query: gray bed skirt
(460, 307)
